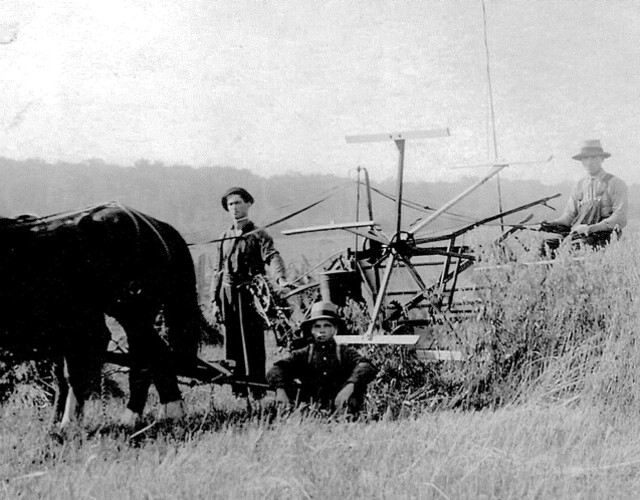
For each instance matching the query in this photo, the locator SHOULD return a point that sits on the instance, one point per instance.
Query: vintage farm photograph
(351, 249)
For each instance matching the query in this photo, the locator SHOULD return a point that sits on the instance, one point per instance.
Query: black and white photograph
(316, 250)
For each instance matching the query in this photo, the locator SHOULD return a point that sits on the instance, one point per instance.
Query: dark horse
(60, 275)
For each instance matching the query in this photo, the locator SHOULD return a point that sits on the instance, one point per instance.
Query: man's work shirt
(608, 193)
(244, 253)
(323, 370)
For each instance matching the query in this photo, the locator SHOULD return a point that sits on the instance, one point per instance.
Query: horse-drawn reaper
(60, 275)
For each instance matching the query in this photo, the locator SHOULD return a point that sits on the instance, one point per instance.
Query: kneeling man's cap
(242, 192)
(591, 148)
(322, 310)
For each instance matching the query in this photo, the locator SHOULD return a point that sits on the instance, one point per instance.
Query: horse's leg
(166, 363)
(139, 384)
(139, 377)
(74, 400)
(139, 372)
(166, 381)
(150, 362)
(83, 359)
(67, 406)
(62, 391)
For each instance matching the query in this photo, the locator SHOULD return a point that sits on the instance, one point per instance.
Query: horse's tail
(184, 319)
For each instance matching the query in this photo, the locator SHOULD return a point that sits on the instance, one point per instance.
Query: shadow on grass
(214, 420)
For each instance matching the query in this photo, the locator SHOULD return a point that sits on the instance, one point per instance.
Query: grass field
(529, 451)
(553, 365)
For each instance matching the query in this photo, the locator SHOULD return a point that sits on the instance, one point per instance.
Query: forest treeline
(189, 198)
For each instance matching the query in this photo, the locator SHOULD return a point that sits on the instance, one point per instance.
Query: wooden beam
(378, 339)
(399, 136)
(377, 306)
(329, 227)
(300, 289)
(379, 236)
(455, 200)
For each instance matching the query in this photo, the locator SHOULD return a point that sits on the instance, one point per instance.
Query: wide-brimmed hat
(242, 192)
(591, 148)
(322, 310)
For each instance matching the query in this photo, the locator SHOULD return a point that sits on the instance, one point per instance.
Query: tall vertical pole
(492, 110)
(355, 243)
(400, 145)
(392, 257)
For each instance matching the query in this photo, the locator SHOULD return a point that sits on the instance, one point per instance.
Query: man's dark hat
(591, 148)
(242, 192)
(322, 310)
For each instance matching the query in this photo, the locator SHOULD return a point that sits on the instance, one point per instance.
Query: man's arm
(271, 257)
(362, 372)
(216, 280)
(283, 372)
(571, 208)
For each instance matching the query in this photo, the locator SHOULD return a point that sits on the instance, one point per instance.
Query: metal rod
(368, 186)
(541, 201)
(492, 109)
(355, 243)
(455, 200)
(329, 227)
(446, 265)
(381, 293)
(412, 270)
(454, 279)
(378, 236)
(400, 145)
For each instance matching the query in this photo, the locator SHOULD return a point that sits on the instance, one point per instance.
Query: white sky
(274, 86)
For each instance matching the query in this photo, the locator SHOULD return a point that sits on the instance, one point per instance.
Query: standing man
(598, 205)
(245, 252)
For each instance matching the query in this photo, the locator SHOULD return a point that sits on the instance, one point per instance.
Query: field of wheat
(546, 405)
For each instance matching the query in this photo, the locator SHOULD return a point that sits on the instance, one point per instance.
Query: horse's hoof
(130, 419)
(172, 411)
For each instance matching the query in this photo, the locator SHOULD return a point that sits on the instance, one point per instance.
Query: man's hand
(217, 313)
(580, 229)
(545, 226)
(283, 283)
(281, 398)
(343, 396)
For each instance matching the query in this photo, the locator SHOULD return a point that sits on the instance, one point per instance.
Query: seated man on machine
(598, 205)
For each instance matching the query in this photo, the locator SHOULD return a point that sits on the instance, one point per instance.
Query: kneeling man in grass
(331, 376)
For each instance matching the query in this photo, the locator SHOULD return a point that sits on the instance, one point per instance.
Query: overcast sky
(275, 86)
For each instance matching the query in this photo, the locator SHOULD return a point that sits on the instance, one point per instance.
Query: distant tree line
(189, 198)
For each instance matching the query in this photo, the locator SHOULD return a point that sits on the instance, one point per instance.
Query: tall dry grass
(561, 330)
